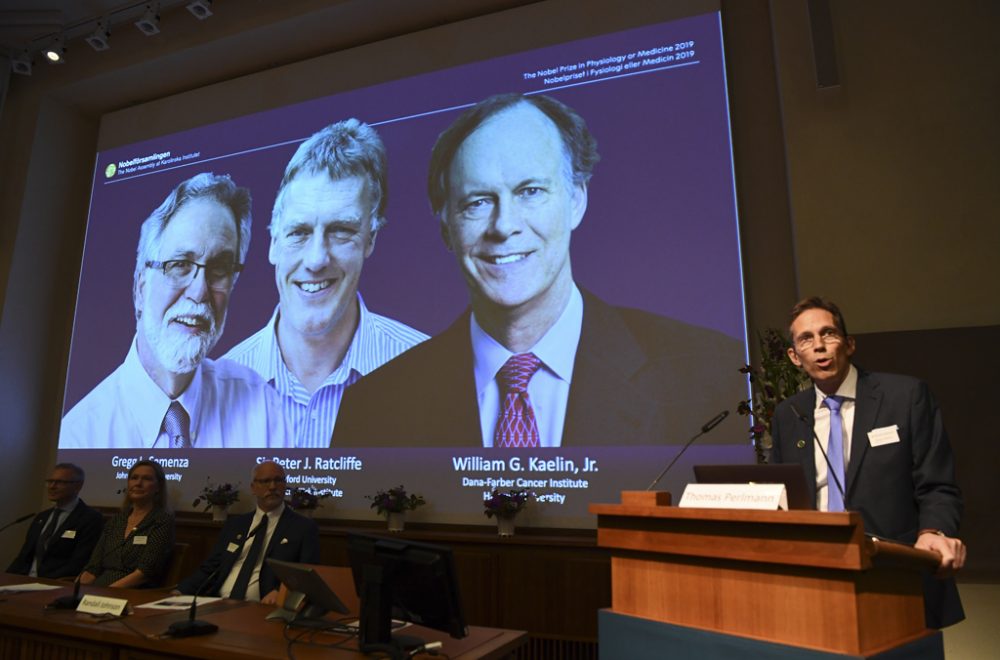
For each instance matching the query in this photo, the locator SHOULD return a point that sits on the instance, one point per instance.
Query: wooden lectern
(801, 578)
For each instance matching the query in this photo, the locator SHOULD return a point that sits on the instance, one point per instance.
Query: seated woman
(136, 543)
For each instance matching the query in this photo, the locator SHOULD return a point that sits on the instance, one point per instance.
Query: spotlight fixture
(21, 64)
(55, 53)
(200, 9)
(100, 38)
(149, 24)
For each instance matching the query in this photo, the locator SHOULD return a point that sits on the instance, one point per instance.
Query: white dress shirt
(821, 425)
(228, 405)
(253, 587)
(548, 389)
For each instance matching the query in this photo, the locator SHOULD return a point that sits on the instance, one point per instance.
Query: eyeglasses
(276, 481)
(181, 272)
(61, 482)
(826, 336)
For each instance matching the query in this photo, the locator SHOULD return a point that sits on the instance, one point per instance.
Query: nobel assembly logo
(110, 170)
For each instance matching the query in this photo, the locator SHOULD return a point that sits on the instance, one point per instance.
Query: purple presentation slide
(659, 235)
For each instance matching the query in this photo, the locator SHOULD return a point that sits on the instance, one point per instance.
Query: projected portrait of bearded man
(167, 394)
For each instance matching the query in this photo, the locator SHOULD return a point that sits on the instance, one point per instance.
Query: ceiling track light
(200, 9)
(100, 38)
(21, 64)
(55, 53)
(149, 24)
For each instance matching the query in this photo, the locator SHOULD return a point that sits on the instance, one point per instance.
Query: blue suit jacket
(638, 378)
(899, 488)
(295, 539)
(65, 556)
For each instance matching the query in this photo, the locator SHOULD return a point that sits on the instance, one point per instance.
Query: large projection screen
(660, 234)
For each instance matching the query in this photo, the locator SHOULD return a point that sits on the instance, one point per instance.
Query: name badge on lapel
(69, 534)
(886, 435)
(140, 540)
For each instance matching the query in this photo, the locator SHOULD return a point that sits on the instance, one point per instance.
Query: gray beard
(176, 353)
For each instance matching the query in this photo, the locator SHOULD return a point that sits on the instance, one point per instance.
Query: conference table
(28, 629)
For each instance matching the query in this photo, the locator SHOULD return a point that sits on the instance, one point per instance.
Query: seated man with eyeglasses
(167, 393)
(60, 540)
(236, 566)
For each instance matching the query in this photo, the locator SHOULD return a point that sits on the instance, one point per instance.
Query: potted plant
(504, 505)
(393, 503)
(305, 501)
(218, 498)
(773, 381)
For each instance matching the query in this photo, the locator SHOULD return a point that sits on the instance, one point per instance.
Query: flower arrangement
(773, 381)
(303, 499)
(394, 500)
(507, 504)
(217, 495)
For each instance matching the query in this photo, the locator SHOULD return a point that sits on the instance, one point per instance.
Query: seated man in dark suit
(536, 361)
(889, 452)
(60, 539)
(236, 567)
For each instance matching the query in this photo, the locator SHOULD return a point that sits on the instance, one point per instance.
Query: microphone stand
(19, 520)
(829, 466)
(68, 602)
(193, 627)
(709, 425)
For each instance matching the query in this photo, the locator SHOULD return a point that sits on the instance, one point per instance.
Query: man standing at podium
(889, 456)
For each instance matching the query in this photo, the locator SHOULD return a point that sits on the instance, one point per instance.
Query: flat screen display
(648, 352)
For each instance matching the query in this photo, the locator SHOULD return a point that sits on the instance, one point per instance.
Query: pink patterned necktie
(517, 426)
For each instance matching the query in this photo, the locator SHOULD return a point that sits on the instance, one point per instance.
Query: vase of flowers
(773, 381)
(504, 505)
(393, 503)
(218, 498)
(305, 501)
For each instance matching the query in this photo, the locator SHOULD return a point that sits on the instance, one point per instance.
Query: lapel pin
(800, 444)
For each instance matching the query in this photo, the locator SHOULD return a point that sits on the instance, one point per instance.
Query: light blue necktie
(835, 452)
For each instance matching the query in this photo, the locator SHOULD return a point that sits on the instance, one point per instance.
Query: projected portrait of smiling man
(322, 338)
(167, 394)
(536, 361)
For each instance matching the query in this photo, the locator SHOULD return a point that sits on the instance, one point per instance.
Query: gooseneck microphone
(708, 426)
(72, 602)
(68, 602)
(193, 627)
(19, 520)
(829, 466)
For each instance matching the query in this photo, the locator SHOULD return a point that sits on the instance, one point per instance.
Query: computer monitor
(407, 580)
(792, 475)
(309, 596)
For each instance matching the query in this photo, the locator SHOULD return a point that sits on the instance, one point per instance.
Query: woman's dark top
(146, 548)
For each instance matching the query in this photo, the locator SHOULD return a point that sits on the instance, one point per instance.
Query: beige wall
(894, 174)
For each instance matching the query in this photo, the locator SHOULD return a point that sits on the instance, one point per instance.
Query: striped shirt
(377, 340)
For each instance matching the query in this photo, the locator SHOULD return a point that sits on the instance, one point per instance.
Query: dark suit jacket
(65, 557)
(296, 539)
(638, 378)
(899, 488)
